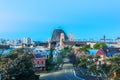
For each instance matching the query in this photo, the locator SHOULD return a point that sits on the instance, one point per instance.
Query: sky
(86, 19)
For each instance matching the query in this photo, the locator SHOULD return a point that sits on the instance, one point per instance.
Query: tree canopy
(4, 46)
(99, 45)
(17, 64)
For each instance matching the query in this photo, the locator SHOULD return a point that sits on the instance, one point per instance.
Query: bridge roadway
(53, 43)
(78, 42)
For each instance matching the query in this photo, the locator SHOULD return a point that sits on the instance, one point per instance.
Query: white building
(91, 44)
(27, 41)
(41, 50)
(2, 41)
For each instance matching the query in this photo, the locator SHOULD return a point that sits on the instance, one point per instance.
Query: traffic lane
(67, 73)
(69, 69)
(51, 76)
(72, 75)
(67, 66)
(61, 75)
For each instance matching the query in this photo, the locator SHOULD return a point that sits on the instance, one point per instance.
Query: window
(38, 62)
(42, 62)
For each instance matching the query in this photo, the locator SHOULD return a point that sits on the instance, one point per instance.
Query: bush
(100, 45)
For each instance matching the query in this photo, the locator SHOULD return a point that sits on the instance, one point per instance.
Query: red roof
(100, 52)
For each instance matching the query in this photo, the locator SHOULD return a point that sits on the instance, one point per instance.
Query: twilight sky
(37, 19)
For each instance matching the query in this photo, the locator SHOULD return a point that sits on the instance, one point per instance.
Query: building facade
(40, 57)
(27, 41)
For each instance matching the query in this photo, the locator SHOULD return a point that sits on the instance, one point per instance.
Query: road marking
(71, 76)
(65, 71)
(77, 76)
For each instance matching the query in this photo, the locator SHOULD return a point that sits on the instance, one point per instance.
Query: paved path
(67, 73)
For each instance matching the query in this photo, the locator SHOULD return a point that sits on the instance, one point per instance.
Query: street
(66, 73)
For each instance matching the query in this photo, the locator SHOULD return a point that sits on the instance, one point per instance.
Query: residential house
(78, 53)
(91, 44)
(107, 52)
(40, 57)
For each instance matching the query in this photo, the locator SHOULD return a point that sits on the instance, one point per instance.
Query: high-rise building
(27, 41)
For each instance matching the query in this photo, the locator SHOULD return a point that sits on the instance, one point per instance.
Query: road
(67, 73)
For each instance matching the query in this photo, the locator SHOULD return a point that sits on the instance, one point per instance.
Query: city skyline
(37, 19)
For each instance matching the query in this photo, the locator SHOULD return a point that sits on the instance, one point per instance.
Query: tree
(51, 55)
(99, 45)
(72, 58)
(49, 62)
(115, 62)
(18, 65)
(86, 47)
(113, 66)
(83, 62)
(59, 59)
(3, 47)
(66, 51)
(92, 68)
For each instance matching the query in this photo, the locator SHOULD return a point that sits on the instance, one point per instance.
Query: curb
(77, 76)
